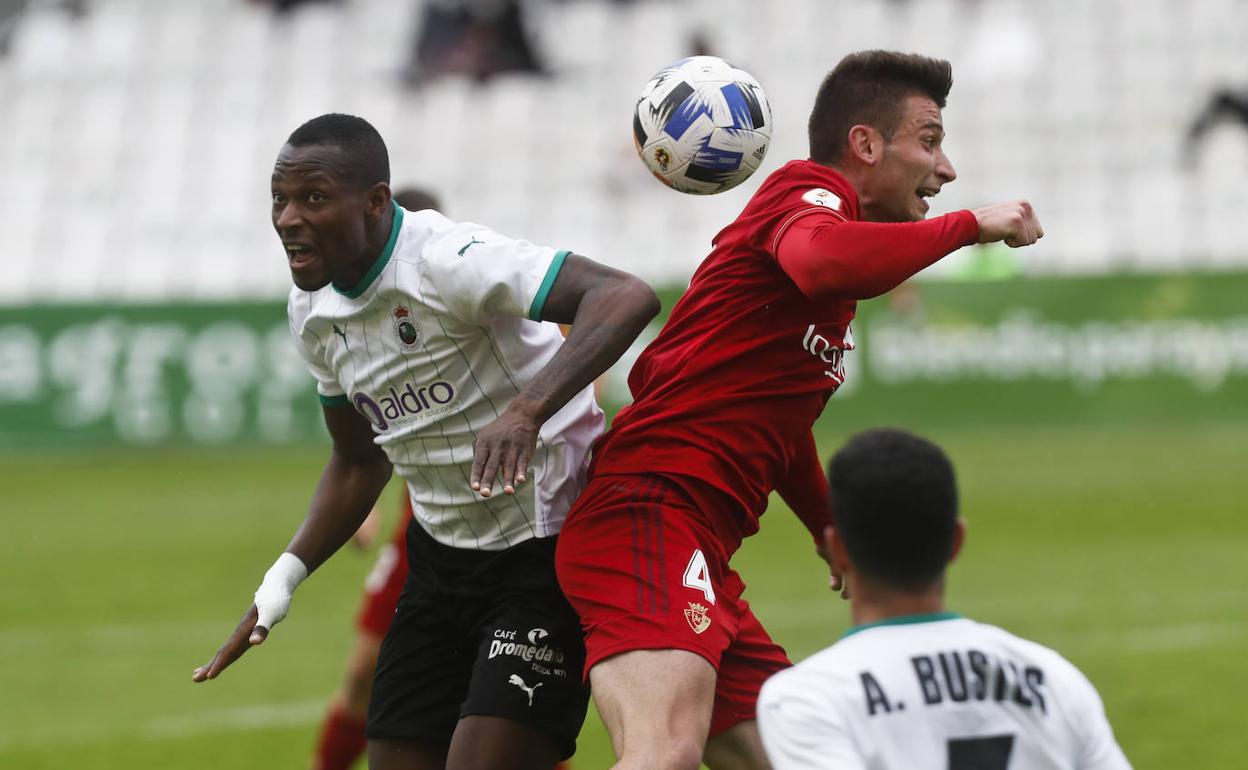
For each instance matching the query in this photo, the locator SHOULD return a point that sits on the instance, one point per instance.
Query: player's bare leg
(357, 686)
(406, 755)
(479, 743)
(348, 709)
(656, 705)
(738, 748)
(494, 743)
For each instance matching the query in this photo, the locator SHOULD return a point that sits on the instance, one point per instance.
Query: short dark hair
(895, 506)
(869, 87)
(370, 162)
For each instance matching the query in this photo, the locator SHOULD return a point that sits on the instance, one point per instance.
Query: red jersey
(728, 391)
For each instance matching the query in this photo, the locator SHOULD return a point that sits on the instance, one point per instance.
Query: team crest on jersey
(407, 331)
(696, 615)
(822, 197)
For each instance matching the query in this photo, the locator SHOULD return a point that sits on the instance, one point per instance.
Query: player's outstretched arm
(827, 256)
(607, 309)
(354, 476)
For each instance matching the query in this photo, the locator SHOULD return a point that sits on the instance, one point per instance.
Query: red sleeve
(827, 255)
(805, 490)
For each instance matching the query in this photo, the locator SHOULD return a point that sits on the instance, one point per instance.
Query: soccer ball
(702, 126)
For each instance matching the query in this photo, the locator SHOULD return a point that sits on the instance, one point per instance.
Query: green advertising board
(1104, 349)
(1020, 350)
(152, 374)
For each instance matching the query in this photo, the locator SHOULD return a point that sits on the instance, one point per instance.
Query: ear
(378, 199)
(959, 537)
(865, 144)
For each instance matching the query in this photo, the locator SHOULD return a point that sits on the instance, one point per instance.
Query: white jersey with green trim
(936, 692)
(430, 347)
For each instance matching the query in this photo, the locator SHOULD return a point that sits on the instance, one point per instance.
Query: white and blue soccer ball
(702, 126)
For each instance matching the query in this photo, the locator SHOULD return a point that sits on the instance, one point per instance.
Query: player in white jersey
(912, 685)
(426, 340)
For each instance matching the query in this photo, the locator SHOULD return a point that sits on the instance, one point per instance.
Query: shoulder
(424, 232)
(1060, 672)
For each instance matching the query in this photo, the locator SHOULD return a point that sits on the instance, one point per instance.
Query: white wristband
(273, 596)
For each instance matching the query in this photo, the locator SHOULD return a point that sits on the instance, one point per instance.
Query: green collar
(380, 264)
(904, 620)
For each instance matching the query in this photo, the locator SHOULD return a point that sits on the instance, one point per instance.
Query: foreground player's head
(877, 119)
(895, 503)
(331, 200)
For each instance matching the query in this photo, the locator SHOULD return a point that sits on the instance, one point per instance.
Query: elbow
(641, 299)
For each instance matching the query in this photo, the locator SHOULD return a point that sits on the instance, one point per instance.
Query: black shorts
(479, 633)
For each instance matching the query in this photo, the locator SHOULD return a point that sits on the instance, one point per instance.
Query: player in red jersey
(724, 401)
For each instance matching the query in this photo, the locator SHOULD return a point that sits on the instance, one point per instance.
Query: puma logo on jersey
(342, 334)
(473, 242)
(518, 682)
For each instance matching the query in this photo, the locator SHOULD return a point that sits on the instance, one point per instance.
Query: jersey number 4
(698, 577)
(991, 753)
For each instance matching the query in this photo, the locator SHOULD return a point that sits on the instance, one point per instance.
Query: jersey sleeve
(800, 730)
(826, 256)
(479, 274)
(805, 489)
(312, 353)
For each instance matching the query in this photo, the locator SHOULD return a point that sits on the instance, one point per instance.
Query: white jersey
(430, 347)
(939, 692)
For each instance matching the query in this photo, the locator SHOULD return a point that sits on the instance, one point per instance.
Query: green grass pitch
(1123, 547)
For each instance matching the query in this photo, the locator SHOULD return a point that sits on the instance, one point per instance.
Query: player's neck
(871, 603)
(378, 237)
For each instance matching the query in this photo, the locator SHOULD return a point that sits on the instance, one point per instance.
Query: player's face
(912, 167)
(321, 214)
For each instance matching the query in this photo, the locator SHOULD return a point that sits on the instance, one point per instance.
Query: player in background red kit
(724, 401)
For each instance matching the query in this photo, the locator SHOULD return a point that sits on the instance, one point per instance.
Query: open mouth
(299, 254)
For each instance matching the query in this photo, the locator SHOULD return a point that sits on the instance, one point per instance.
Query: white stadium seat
(153, 125)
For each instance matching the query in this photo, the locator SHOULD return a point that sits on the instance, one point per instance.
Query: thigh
(656, 705)
(746, 664)
(406, 755)
(494, 743)
(643, 571)
(423, 669)
(530, 654)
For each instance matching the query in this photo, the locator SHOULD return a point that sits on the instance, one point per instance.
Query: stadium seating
(138, 140)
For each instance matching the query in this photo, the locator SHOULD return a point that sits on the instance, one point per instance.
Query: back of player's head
(869, 88)
(895, 503)
(369, 162)
(416, 199)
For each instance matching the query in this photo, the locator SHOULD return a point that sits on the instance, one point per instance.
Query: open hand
(504, 447)
(247, 634)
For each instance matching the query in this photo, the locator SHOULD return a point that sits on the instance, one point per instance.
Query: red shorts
(641, 564)
(385, 582)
